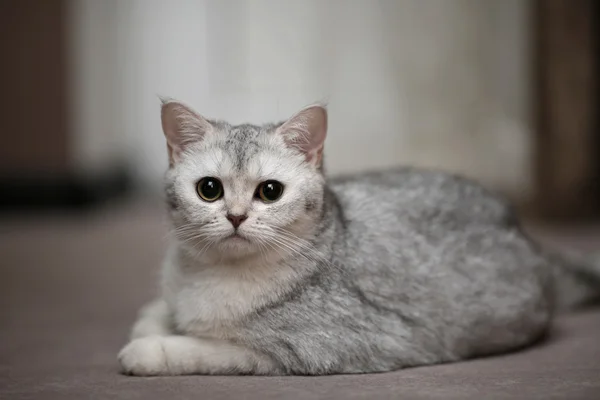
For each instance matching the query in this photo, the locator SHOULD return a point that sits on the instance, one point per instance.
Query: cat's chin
(236, 246)
(236, 238)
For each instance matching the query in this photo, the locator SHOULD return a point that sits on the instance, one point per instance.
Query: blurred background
(502, 91)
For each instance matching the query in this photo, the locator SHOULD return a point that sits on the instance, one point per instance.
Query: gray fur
(425, 268)
(405, 267)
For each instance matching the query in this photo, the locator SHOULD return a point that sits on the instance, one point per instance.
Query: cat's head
(244, 190)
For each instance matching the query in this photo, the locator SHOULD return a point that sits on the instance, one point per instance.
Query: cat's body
(362, 274)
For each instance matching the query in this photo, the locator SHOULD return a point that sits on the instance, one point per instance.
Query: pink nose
(236, 220)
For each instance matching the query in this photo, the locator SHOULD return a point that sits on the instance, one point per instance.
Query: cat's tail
(577, 278)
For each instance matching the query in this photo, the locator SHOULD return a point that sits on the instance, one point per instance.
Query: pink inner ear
(181, 126)
(307, 131)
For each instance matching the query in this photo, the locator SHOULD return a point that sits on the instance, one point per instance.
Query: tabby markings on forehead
(242, 145)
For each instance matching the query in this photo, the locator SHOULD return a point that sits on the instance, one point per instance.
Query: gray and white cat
(274, 269)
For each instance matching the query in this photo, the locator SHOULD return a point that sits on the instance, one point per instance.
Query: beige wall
(94, 94)
(426, 82)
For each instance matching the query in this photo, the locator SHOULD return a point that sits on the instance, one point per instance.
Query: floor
(71, 284)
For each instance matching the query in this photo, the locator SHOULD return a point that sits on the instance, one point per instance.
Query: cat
(273, 269)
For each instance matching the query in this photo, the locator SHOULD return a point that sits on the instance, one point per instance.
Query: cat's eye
(209, 189)
(269, 191)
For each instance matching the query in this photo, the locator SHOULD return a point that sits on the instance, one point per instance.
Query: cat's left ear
(182, 126)
(306, 131)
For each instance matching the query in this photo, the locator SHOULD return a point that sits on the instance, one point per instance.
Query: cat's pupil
(210, 189)
(270, 190)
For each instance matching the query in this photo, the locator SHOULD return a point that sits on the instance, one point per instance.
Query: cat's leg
(184, 355)
(153, 319)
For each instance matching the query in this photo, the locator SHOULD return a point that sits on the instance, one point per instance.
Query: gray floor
(70, 287)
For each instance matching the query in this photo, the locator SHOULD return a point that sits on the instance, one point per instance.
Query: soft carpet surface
(70, 287)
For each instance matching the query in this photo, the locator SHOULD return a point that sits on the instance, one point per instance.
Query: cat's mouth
(236, 237)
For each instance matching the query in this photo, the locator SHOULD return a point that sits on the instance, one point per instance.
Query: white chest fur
(209, 302)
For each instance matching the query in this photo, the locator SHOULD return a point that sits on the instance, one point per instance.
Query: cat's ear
(182, 126)
(306, 131)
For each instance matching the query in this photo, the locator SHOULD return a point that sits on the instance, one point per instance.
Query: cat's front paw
(145, 356)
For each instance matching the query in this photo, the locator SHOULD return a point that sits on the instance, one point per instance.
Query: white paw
(145, 357)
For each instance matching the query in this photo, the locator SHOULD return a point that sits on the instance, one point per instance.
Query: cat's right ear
(182, 126)
(306, 131)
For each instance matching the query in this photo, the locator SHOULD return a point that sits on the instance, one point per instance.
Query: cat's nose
(236, 220)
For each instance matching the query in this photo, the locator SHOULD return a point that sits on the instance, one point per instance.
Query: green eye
(269, 191)
(209, 189)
